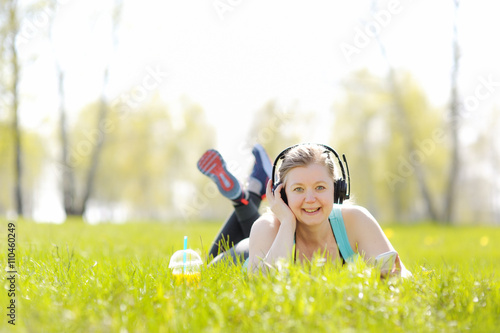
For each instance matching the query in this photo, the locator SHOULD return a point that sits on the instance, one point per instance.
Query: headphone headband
(343, 187)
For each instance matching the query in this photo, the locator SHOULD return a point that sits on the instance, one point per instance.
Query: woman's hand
(273, 235)
(280, 209)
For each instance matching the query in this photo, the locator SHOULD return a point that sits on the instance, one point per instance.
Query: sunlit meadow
(115, 278)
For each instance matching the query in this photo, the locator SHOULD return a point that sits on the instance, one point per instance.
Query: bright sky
(232, 56)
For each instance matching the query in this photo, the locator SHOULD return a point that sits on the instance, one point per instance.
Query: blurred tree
(454, 126)
(147, 156)
(70, 204)
(192, 138)
(76, 203)
(494, 161)
(134, 162)
(34, 153)
(103, 113)
(402, 116)
(479, 182)
(447, 214)
(387, 166)
(276, 127)
(9, 31)
(7, 201)
(359, 132)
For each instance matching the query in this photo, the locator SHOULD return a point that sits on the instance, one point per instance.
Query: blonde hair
(304, 155)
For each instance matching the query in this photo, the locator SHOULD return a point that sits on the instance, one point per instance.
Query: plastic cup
(186, 266)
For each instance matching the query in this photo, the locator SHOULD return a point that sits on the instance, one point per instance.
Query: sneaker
(213, 165)
(261, 172)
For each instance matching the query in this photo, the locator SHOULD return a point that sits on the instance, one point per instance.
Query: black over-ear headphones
(342, 189)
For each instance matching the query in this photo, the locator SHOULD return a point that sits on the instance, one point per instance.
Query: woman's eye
(298, 189)
(320, 188)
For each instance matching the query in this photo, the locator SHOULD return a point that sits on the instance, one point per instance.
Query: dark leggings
(235, 231)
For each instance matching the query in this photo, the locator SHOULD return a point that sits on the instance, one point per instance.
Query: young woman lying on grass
(308, 223)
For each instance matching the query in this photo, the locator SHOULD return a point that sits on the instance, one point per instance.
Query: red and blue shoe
(261, 172)
(213, 165)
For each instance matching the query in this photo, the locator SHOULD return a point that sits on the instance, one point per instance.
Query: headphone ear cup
(283, 195)
(340, 191)
(336, 191)
(282, 192)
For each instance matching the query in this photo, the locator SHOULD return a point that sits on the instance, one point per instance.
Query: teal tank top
(338, 227)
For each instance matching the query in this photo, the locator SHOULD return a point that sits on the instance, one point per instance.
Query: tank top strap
(338, 226)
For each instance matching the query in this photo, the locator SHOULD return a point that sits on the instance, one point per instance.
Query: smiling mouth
(311, 210)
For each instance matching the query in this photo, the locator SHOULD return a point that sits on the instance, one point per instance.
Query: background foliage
(129, 154)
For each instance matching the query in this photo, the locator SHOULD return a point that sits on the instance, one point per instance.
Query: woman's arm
(366, 235)
(272, 235)
(364, 232)
(262, 236)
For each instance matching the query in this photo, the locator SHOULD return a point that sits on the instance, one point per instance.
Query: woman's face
(309, 191)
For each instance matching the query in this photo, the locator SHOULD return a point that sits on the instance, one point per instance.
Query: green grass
(115, 278)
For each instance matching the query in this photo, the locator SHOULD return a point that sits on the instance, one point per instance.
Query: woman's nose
(310, 196)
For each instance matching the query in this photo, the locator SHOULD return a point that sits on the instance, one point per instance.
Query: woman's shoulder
(353, 209)
(266, 222)
(360, 225)
(356, 215)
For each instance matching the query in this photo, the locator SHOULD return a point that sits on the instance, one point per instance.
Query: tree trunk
(68, 179)
(18, 167)
(408, 134)
(454, 171)
(96, 154)
(103, 113)
(410, 147)
(17, 137)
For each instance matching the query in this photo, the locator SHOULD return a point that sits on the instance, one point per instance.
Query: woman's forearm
(282, 247)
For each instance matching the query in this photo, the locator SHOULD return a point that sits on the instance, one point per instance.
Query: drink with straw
(185, 265)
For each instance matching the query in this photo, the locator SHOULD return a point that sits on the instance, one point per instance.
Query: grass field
(115, 278)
